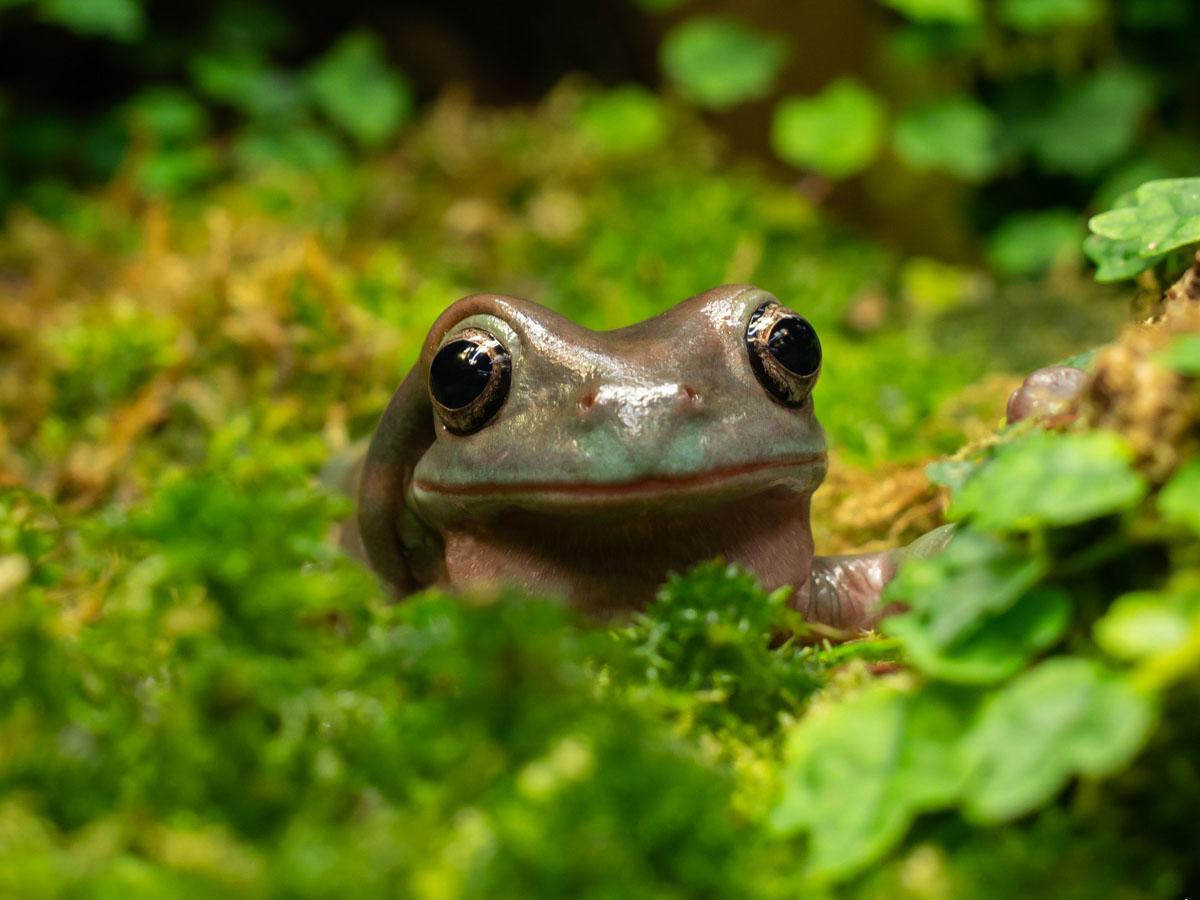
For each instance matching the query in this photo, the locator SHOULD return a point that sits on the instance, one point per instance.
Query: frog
(524, 449)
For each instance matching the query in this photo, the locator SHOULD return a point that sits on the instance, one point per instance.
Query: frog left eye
(469, 380)
(785, 352)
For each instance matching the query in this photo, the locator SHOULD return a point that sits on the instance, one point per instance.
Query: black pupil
(460, 372)
(794, 343)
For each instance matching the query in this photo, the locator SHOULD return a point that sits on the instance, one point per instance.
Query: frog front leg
(844, 591)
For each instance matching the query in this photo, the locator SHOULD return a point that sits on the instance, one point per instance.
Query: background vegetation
(226, 231)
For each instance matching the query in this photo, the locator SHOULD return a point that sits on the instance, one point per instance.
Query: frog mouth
(727, 479)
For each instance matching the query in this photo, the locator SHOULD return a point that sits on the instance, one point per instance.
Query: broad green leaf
(858, 771)
(955, 12)
(360, 93)
(1166, 216)
(1116, 260)
(1028, 244)
(121, 20)
(719, 62)
(951, 473)
(997, 648)
(1093, 123)
(1051, 479)
(837, 132)
(623, 121)
(1145, 623)
(1037, 16)
(956, 135)
(1179, 501)
(1067, 716)
(952, 593)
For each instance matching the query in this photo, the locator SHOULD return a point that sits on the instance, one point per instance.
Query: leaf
(1145, 623)
(1166, 216)
(719, 62)
(247, 82)
(998, 647)
(121, 20)
(957, 135)
(837, 132)
(168, 114)
(857, 772)
(1067, 716)
(1179, 500)
(1051, 479)
(624, 121)
(1038, 16)
(1117, 260)
(1028, 244)
(360, 93)
(1091, 124)
(955, 12)
(658, 6)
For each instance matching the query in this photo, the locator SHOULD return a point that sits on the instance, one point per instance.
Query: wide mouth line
(649, 485)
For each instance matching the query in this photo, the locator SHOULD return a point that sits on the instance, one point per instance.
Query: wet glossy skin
(616, 457)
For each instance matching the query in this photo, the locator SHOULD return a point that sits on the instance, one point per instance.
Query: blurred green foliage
(201, 696)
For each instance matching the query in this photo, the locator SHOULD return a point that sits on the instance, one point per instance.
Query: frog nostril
(587, 401)
(689, 393)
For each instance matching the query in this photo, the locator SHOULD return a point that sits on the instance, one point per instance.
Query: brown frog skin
(525, 449)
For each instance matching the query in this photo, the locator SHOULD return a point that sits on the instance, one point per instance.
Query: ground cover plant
(202, 696)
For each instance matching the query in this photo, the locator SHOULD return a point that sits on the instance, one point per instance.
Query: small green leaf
(1051, 479)
(719, 62)
(247, 82)
(954, 12)
(1093, 123)
(359, 92)
(1144, 623)
(858, 771)
(659, 5)
(1066, 716)
(1166, 216)
(121, 20)
(956, 135)
(624, 121)
(1038, 16)
(1116, 260)
(1179, 501)
(1028, 244)
(998, 647)
(837, 132)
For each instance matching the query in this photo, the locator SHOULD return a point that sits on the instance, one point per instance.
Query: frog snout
(637, 406)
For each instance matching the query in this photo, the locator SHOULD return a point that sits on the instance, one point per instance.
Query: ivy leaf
(1091, 124)
(975, 613)
(1066, 716)
(1051, 479)
(1039, 16)
(953, 12)
(1145, 623)
(858, 771)
(956, 135)
(719, 62)
(1166, 216)
(360, 93)
(1117, 260)
(837, 132)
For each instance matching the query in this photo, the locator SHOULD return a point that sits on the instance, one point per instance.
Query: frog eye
(784, 352)
(469, 380)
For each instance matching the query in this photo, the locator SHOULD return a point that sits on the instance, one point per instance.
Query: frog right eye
(785, 353)
(469, 380)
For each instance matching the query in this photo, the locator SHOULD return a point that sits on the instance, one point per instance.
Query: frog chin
(612, 564)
